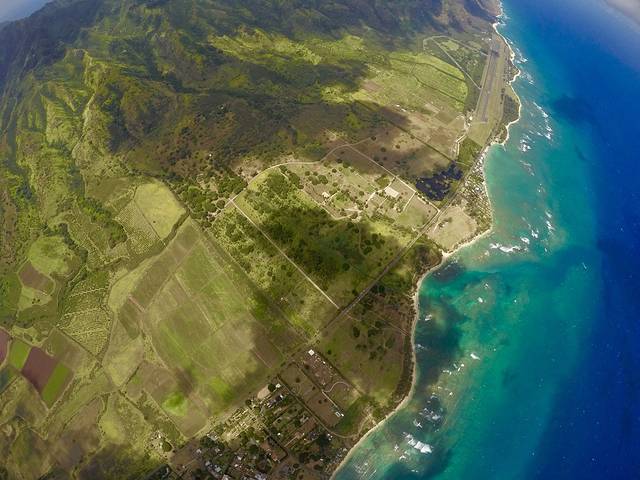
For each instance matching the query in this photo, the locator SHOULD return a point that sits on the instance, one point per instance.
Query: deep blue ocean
(542, 314)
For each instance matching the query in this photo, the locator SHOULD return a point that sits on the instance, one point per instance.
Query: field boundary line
(227, 257)
(285, 255)
(408, 202)
(80, 345)
(464, 71)
(394, 176)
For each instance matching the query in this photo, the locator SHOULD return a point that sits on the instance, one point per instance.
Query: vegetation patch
(281, 284)
(4, 345)
(159, 207)
(175, 404)
(340, 255)
(32, 278)
(408, 78)
(403, 154)
(51, 256)
(38, 368)
(375, 354)
(437, 186)
(6, 377)
(90, 329)
(18, 353)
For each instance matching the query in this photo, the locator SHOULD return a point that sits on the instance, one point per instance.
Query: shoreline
(512, 56)
(445, 256)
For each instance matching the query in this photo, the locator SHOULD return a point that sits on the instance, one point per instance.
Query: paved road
(295, 265)
(489, 80)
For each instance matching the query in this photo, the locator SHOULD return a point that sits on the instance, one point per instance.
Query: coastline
(512, 57)
(445, 255)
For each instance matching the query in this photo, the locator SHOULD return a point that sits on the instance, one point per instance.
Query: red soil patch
(31, 277)
(4, 345)
(38, 368)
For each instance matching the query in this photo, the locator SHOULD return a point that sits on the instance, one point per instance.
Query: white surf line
(285, 255)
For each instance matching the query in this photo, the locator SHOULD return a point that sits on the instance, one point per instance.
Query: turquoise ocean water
(542, 314)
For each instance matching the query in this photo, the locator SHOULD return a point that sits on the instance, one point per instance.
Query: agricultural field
(402, 153)
(49, 262)
(159, 207)
(85, 317)
(469, 56)
(48, 376)
(4, 345)
(191, 195)
(340, 256)
(194, 308)
(284, 286)
(51, 256)
(408, 79)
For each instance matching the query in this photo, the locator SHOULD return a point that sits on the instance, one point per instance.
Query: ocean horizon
(542, 313)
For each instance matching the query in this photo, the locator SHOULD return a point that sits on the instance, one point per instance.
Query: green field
(55, 384)
(18, 353)
(30, 297)
(203, 327)
(205, 323)
(176, 405)
(159, 207)
(6, 376)
(51, 256)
